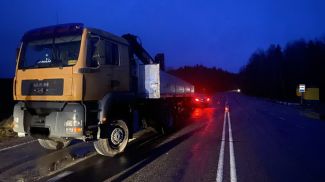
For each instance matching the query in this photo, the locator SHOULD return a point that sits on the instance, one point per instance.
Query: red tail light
(197, 99)
(208, 99)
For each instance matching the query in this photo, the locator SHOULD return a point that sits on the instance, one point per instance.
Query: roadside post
(302, 90)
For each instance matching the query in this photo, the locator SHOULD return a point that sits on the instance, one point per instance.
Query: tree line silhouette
(273, 73)
(276, 72)
(206, 80)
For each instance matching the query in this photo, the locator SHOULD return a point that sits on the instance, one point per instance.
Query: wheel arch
(113, 107)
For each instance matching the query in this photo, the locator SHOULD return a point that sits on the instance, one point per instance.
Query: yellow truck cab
(75, 82)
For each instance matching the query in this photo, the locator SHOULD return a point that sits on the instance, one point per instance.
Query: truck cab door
(103, 56)
(116, 66)
(96, 81)
(111, 65)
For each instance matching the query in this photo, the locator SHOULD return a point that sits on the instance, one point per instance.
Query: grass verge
(6, 129)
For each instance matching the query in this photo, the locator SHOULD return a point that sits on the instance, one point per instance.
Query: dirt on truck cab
(76, 82)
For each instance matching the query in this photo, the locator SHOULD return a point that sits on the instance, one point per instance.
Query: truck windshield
(50, 52)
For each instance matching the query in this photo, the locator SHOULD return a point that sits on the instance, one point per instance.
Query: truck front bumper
(48, 120)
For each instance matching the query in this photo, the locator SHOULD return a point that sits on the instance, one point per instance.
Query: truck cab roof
(68, 29)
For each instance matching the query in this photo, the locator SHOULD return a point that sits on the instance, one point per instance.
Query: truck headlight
(73, 126)
(72, 123)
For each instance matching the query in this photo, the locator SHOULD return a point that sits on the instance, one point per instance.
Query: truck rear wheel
(52, 144)
(118, 135)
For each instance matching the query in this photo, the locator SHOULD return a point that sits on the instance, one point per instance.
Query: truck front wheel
(118, 135)
(52, 144)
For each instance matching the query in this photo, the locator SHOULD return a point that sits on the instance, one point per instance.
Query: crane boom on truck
(76, 82)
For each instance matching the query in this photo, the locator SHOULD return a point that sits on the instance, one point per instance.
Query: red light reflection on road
(201, 148)
(205, 114)
(197, 113)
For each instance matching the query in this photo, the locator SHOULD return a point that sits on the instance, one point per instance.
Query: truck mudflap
(49, 120)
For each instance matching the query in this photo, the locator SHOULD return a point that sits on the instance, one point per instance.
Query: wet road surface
(238, 138)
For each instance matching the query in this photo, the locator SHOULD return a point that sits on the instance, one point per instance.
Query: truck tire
(118, 136)
(52, 144)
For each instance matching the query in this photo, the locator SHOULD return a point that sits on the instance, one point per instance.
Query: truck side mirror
(99, 52)
(95, 60)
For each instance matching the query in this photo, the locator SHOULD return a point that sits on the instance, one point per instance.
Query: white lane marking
(233, 176)
(7, 148)
(221, 154)
(60, 176)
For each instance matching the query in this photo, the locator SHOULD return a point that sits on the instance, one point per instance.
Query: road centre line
(233, 175)
(221, 154)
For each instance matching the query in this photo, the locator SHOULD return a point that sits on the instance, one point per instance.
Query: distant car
(202, 100)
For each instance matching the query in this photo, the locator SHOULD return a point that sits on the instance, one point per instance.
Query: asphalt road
(238, 138)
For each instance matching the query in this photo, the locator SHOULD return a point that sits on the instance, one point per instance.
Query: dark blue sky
(221, 33)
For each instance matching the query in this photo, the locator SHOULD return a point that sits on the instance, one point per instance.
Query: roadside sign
(302, 88)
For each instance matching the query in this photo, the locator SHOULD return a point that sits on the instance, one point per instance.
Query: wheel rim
(117, 136)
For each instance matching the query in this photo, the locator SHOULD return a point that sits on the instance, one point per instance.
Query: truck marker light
(77, 130)
(73, 130)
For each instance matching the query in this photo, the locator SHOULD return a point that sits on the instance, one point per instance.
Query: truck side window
(95, 52)
(90, 52)
(112, 53)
